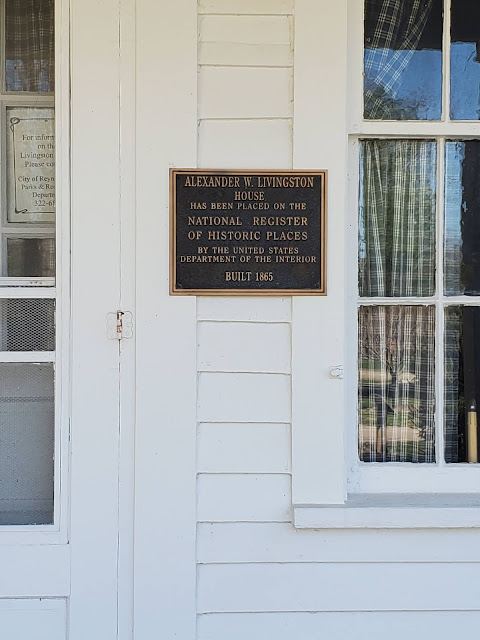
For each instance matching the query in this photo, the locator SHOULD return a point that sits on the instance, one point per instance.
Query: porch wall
(257, 577)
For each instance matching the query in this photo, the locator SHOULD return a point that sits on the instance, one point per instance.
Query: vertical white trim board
(166, 125)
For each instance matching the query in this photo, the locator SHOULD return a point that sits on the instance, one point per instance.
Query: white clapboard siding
(244, 498)
(250, 30)
(242, 309)
(259, 41)
(250, 347)
(33, 619)
(249, 7)
(414, 625)
(243, 397)
(243, 448)
(238, 92)
(271, 542)
(337, 587)
(245, 55)
(245, 144)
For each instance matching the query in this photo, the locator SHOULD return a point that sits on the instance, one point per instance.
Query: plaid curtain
(397, 218)
(29, 45)
(397, 384)
(454, 397)
(389, 46)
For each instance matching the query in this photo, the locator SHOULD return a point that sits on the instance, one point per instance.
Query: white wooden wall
(257, 577)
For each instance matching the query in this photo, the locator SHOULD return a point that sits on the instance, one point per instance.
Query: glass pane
(403, 59)
(462, 389)
(30, 257)
(30, 165)
(27, 325)
(396, 384)
(462, 218)
(397, 218)
(26, 443)
(465, 60)
(29, 45)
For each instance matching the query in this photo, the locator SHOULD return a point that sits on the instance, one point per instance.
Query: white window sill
(387, 511)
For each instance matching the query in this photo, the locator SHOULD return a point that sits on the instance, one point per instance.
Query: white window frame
(331, 488)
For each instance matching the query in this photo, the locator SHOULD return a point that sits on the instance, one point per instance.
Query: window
(403, 321)
(415, 283)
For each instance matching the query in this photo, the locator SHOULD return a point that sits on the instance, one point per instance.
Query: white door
(60, 273)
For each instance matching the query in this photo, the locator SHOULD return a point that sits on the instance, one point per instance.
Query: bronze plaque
(247, 232)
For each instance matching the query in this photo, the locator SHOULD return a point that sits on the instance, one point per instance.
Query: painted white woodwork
(337, 587)
(166, 135)
(39, 619)
(257, 143)
(281, 543)
(243, 347)
(318, 323)
(243, 448)
(95, 258)
(243, 397)
(244, 309)
(385, 516)
(251, 7)
(371, 625)
(237, 55)
(249, 30)
(257, 41)
(35, 570)
(243, 498)
(127, 390)
(251, 93)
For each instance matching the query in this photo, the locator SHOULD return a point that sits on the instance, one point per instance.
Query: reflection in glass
(462, 218)
(403, 59)
(29, 45)
(396, 384)
(31, 257)
(397, 218)
(465, 60)
(26, 443)
(462, 388)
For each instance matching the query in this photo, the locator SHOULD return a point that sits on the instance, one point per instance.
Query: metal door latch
(119, 325)
(336, 372)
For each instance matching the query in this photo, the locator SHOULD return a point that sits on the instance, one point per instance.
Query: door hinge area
(119, 325)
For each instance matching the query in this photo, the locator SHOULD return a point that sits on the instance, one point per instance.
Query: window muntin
(454, 295)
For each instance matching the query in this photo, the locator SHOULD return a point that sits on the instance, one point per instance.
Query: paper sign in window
(31, 165)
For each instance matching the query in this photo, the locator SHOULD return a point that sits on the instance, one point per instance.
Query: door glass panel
(30, 257)
(26, 443)
(403, 59)
(465, 60)
(29, 45)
